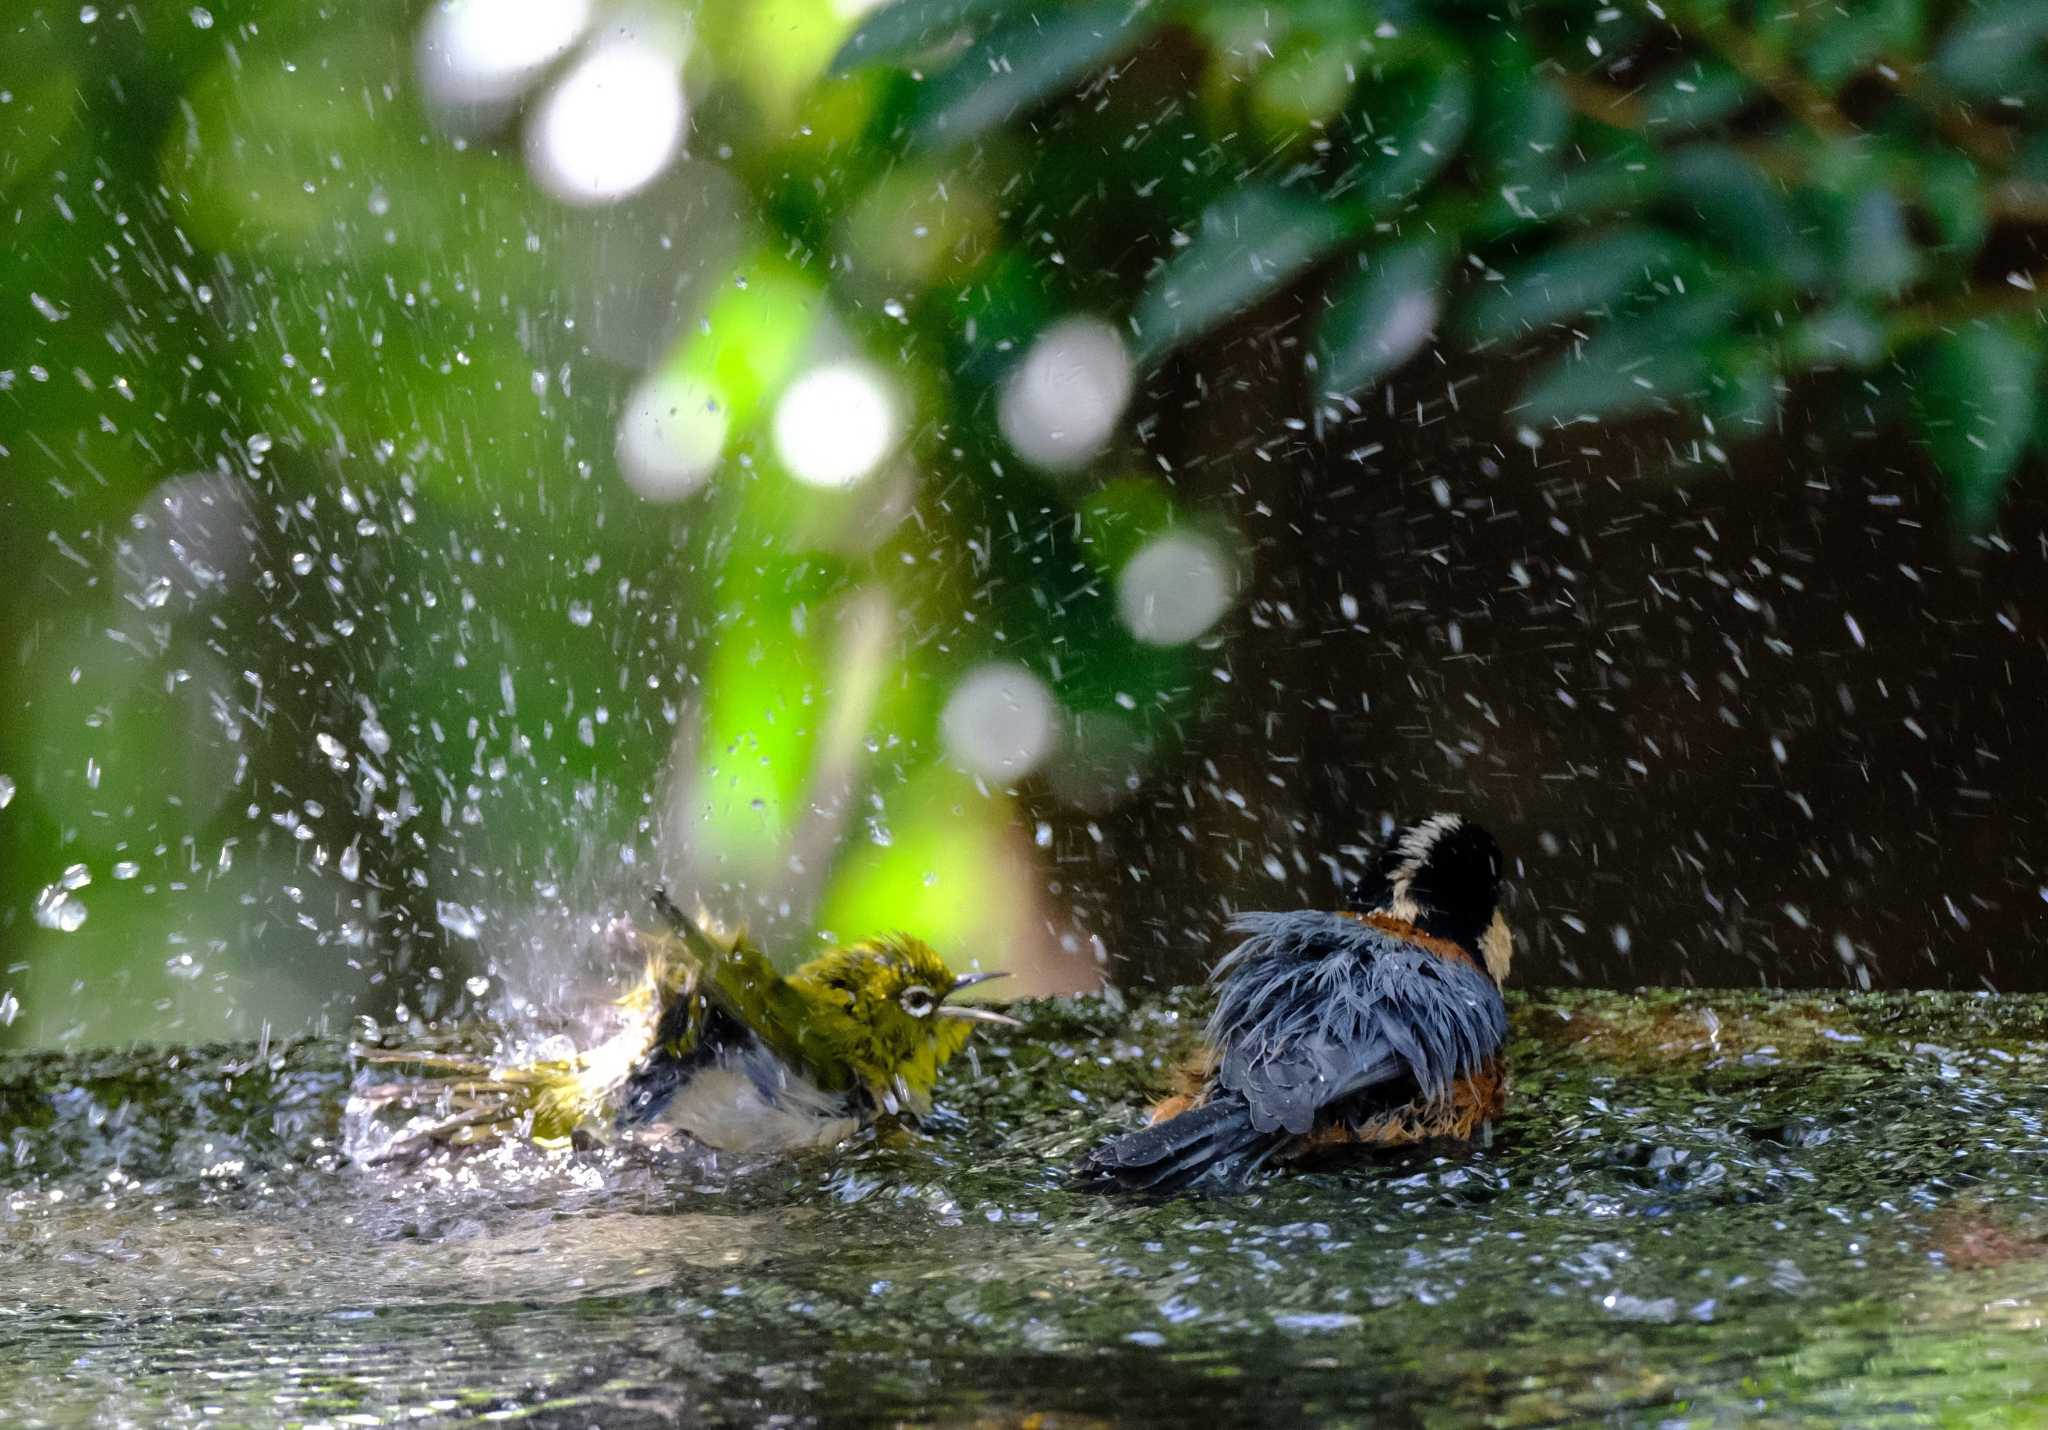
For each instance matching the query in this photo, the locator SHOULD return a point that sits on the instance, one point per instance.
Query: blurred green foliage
(1695, 207)
(337, 639)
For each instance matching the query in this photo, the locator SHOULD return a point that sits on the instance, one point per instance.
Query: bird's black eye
(917, 1000)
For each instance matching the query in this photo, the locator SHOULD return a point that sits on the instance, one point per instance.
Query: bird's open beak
(973, 1012)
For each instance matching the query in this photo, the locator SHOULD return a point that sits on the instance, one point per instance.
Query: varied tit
(1379, 1025)
(718, 1044)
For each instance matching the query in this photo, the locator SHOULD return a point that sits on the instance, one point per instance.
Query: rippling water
(1702, 1209)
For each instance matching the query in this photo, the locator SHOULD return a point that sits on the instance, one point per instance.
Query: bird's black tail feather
(1214, 1143)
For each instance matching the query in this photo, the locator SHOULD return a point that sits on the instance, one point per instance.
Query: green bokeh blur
(415, 557)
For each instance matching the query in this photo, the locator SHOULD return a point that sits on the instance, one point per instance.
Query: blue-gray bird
(1379, 1025)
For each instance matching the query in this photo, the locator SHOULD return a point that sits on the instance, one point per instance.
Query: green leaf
(1996, 53)
(1976, 409)
(1524, 118)
(1305, 87)
(1695, 95)
(1020, 65)
(1953, 192)
(1415, 124)
(1739, 209)
(1643, 363)
(1879, 257)
(1573, 279)
(1382, 317)
(907, 28)
(1852, 38)
(1621, 175)
(1248, 246)
(1841, 337)
(1743, 393)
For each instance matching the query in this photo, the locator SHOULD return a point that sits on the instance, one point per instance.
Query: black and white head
(1442, 874)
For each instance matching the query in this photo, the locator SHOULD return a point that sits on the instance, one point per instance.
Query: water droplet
(126, 869)
(202, 18)
(56, 909)
(157, 592)
(351, 863)
(458, 919)
(6, 790)
(9, 1007)
(579, 613)
(477, 986)
(376, 739)
(75, 877)
(88, 13)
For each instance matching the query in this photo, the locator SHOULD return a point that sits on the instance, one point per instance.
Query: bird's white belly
(725, 1108)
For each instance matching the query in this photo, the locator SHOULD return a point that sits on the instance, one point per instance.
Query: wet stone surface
(1702, 1209)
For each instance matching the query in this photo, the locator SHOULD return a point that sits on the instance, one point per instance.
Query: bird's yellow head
(882, 1006)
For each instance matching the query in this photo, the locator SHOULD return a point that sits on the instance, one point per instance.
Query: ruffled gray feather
(1313, 1007)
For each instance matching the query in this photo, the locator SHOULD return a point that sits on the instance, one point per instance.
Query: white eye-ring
(917, 1001)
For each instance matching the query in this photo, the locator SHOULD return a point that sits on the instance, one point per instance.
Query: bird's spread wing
(1313, 1007)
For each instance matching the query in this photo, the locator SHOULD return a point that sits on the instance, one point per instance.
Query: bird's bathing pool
(1703, 1208)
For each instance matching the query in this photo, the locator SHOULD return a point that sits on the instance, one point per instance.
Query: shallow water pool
(1701, 1209)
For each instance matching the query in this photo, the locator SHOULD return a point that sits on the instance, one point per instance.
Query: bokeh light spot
(1174, 588)
(483, 52)
(835, 424)
(670, 437)
(1060, 404)
(999, 721)
(611, 125)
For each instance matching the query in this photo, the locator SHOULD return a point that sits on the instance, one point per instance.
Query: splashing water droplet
(459, 919)
(351, 863)
(56, 909)
(477, 986)
(10, 1006)
(6, 790)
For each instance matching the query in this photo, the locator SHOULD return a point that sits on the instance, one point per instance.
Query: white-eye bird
(718, 1044)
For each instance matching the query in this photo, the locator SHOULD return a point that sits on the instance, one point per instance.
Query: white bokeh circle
(670, 437)
(835, 424)
(1060, 404)
(1174, 588)
(1000, 721)
(611, 125)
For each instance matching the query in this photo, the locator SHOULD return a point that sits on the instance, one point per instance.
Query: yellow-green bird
(718, 1044)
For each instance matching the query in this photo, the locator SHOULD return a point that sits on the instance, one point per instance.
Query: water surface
(1701, 1209)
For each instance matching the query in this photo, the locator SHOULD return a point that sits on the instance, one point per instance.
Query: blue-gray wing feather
(1313, 1007)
